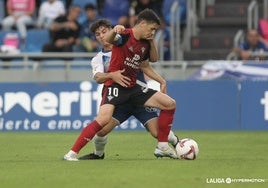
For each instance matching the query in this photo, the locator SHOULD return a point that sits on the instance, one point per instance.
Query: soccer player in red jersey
(131, 50)
(146, 115)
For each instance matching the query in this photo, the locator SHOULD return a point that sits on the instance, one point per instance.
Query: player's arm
(116, 76)
(112, 36)
(100, 77)
(151, 73)
(153, 57)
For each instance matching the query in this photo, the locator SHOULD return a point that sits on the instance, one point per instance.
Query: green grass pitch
(35, 160)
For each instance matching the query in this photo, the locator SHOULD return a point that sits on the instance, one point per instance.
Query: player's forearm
(102, 77)
(110, 36)
(151, 73)
(113, 35)
(153, 52)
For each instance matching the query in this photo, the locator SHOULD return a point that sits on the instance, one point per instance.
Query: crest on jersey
(143, 49)
(110, 98)
(131, 48)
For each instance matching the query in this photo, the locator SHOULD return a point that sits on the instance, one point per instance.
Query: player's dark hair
(149, 16)
(100, 23)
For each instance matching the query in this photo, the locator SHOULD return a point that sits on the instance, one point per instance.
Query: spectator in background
(116, 11)
(87, 41)
(20, 14)
(49, 10)
(263, 30)
(64, 31)
(252, 44)
(138, 5)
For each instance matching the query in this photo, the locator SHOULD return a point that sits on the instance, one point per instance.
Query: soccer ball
(187, 149)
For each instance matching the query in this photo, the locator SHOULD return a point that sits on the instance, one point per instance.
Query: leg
(21, 25)
(121, 113)
(149, 118)
(100, 140)
(167, 106)
(103, 117)
(8, 22)
(152, 127)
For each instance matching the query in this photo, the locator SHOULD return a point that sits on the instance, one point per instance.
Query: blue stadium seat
(167, 4)
(2, 10)
(2, 35)
(35, 40)
(114, 9)
(82, 4)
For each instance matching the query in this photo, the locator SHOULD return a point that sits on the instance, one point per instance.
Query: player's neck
(107, 47)
(136, 33)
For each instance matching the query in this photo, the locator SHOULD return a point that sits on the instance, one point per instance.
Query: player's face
(100, 33)
(149, 30)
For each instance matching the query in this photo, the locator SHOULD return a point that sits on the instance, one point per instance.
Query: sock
(86, 135)
(165, 120)
(99, 144)
(172, 139)
(162, 145)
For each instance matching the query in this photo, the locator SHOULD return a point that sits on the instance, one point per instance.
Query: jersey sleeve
(97, 65)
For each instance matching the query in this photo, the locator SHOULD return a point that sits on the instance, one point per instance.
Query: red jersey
(128, 54)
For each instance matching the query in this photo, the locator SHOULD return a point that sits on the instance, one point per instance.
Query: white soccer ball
(187, 149)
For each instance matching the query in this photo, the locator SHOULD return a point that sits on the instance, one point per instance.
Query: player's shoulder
(127, 30)
(101, 53)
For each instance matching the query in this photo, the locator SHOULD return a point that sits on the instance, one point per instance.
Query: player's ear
(143, 23)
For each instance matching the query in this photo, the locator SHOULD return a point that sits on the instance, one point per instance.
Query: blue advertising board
(201, 105)
(51, 106)
(254, 105)
(205, 105)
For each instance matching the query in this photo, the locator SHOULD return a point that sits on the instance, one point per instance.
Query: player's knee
(171, 104)
(103, 120)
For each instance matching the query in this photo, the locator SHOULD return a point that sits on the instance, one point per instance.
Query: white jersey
(101, 62)
(51, 10)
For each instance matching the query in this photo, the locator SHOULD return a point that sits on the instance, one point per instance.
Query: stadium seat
(2, 10)
(82, 4)
(2, 35)
(35, 40)
(167, 4)
(114, 9)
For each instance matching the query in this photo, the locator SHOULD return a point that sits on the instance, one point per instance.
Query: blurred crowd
(255, 43)
(68, 21)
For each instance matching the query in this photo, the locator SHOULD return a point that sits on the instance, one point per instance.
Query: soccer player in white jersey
(132, 50)
(147, 116)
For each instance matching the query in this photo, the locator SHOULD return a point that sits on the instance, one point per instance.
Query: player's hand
(119, 78)
(150, 38)
(119, 29)
(163, 88)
